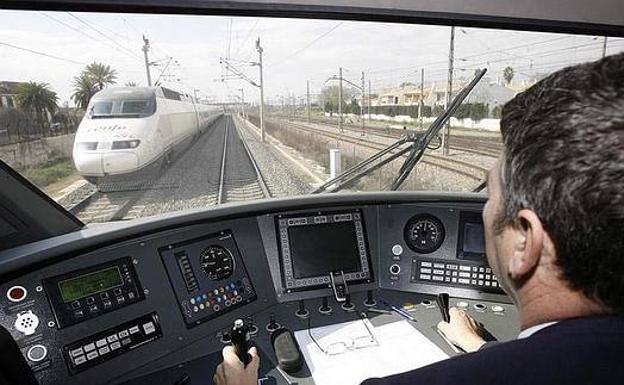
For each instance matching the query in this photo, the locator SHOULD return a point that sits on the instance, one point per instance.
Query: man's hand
(462, 330)
(232, 371)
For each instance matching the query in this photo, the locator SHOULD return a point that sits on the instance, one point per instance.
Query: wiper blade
(419, 141)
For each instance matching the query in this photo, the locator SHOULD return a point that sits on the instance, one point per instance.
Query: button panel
(458, 274)
(103, 346)
(70, 311)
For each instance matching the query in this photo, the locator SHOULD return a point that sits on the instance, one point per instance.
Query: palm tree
(101, 74)
(92, 79)
(508, 74)
(36, 98)
(131, 84)
(84, 89)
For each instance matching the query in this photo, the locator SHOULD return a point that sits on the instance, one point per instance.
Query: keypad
(108, 344)
(455, 274)
(220, 298)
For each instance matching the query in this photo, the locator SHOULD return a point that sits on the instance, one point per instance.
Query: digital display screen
(89, 284)
(472, 237)
(319, 249)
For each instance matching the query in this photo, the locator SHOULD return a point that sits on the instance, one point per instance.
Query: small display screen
(319, 249)
(89, 284)
(471, 245)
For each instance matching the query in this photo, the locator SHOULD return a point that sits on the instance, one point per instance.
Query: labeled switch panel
(106, 345)
(455, 274)
(208, 276)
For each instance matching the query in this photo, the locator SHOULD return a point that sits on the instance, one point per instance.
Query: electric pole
(340, 100)
(259, 49)
(308, 99)
(449, 91)
(422, 95)
(604, 47)
(146, 46)
(243, 102)
(369, 100)
(362, 106)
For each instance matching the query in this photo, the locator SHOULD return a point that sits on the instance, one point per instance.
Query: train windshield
(119, 116)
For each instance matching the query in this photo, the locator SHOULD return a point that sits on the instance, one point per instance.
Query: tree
(102, 75)
(38, 99)
(508, 74)
(329, 96)
(95, 77)
(130, 84)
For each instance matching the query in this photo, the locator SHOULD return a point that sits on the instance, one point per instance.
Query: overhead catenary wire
(43, 54)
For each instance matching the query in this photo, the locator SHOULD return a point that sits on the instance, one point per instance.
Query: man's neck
(555, 306)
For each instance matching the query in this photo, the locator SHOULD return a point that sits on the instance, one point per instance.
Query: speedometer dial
(217, 262)
(424, 233)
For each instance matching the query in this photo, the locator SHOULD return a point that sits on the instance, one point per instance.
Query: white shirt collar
(534, 329)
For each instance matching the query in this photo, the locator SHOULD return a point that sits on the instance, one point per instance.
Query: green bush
(50, 172)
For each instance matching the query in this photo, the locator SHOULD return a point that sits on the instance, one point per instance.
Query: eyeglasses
(348, 342)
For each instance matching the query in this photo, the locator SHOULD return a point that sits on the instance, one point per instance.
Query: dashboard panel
(162, 292)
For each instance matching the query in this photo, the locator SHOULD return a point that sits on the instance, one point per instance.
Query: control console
(208, 276)
(87, 293)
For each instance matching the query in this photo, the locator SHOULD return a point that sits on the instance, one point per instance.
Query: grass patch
(50, 172)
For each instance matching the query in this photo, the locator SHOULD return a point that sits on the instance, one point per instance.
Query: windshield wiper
(416, 150)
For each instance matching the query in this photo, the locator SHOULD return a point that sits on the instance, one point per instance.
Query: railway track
(476, 145)
(218, 168)
(457, 166)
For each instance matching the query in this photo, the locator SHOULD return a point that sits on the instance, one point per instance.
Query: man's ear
(528, 244)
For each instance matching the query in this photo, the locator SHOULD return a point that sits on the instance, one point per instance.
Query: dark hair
(564, 159)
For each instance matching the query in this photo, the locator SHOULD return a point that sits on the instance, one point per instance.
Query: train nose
(105, 163)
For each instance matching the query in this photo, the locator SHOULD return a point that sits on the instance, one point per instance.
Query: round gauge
(424, 233)
(217, 262)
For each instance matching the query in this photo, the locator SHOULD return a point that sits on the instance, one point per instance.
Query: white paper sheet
(401, 348)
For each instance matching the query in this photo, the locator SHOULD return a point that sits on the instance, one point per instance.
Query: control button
(437, 278)
(76, 352)
(37, 353)
(93, 308)
(112, 338)
(463, 274)
(104, 350)
(464, 281)
(454, 280)
(202, 306)
(149, 328)
(451, 267)
(131, 295)
(195, 309)
(80, 360)
(17, 293)
(117, 291)
(104, 295)
(107, 304)
(78, 314)
(121, 300)
(438, 271)
(425, 264)
(123, 334)
(462, 305)
(498, 309)
(125, 341)
(92, 355)
(438, 265)
(228, 303)
(115, 345)
(464, 268)
(426, 277)
(216, 307)
(479, 307)
(100, 343)
(425, 271)
(90, 301)
(26, 322)
(89, 347)
(134, 330)
(75, 304)
(397, 249)
(395, 269)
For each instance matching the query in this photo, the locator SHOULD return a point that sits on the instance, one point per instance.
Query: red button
(16, 293)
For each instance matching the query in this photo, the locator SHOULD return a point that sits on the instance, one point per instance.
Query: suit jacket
(586, 350)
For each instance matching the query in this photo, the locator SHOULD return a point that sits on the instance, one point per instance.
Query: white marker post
(335, 163)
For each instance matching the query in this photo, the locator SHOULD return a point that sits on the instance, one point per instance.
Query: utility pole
(604, 47)
(259, 49)
(369, 100)
(362, 107)
(308, 99)
(243, 102)
(422, 95)
(449, 90)
(146, 46)
(340, 100)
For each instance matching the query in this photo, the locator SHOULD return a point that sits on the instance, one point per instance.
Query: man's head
(555, 214)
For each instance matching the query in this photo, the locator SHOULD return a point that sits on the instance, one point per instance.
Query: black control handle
(241, 341)
(443, 303)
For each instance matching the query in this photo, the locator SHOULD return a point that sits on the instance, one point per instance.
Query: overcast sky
(295, 50)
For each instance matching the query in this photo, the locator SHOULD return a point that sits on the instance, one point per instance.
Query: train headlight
(87, 146)
(125, 144)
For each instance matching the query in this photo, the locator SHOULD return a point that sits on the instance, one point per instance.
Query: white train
(130, 130)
